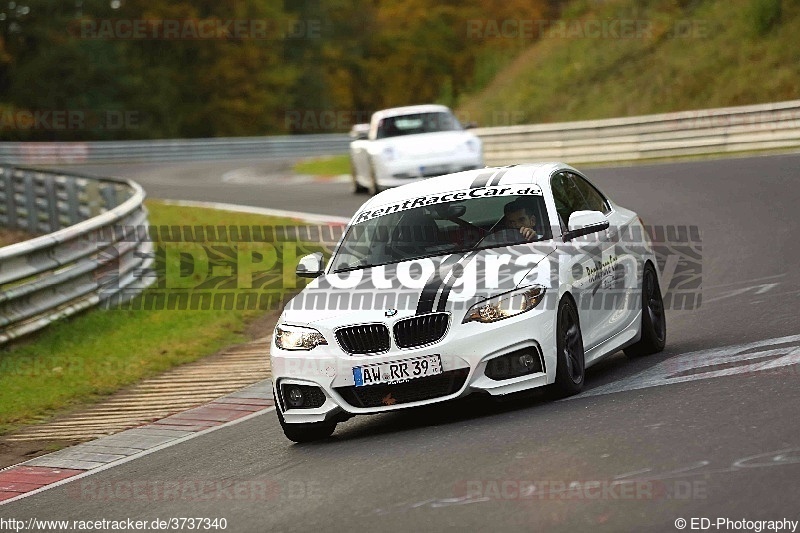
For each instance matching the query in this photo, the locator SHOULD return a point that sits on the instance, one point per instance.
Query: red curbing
(18, 480)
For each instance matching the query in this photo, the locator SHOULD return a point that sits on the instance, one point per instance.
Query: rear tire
(571, 368)
(306, 432)
(654, 323)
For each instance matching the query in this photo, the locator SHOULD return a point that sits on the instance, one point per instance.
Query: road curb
(57, 468)
(48, 471)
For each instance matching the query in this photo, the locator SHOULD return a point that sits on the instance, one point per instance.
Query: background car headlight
(388, 153)
(472, 146)
(297, 338)
(505, 305)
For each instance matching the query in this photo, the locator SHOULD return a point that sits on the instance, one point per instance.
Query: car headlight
(505, 305)
(472, 146)
(298, 338)
(388, 153)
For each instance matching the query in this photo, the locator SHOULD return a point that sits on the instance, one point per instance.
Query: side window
(594, 199)
(567, 196)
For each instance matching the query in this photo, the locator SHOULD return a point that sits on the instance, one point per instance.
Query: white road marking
(306, 217)
(253, 176)
(770, 354)
(743, 281)
(755, 289)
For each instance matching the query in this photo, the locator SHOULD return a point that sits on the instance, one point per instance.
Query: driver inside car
(517, 216)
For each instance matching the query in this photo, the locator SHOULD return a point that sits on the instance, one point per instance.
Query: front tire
(654, 322)
(306, 432)
(357, 187)
(571, 368)
(374, 188)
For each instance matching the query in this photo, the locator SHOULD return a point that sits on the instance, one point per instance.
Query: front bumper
(465, 351)
(402, 171)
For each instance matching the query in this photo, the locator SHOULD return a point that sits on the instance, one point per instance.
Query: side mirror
(310, 266)
(359, 132)
(470, 125)
(585, 223)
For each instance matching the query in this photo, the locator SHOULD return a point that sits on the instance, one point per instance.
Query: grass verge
(78, 360)
(324, 166)
(625, 58)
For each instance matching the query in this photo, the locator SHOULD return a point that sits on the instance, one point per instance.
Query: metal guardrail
(724, 130)
(94, 248)
(36, 153)
(85, 257)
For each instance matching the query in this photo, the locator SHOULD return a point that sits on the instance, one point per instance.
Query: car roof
(526, 174)
(410, 110)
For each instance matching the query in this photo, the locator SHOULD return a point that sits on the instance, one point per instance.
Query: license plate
(434, 169)
(397, 371)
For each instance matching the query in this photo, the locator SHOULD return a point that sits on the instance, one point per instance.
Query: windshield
(417, 123)
(443, 228)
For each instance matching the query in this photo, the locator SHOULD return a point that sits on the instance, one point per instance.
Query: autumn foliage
(205, 68)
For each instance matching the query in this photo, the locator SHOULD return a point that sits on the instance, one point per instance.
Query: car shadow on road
(479, 407)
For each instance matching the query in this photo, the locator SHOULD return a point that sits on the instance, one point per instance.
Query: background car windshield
(438, 230)
(417, 123)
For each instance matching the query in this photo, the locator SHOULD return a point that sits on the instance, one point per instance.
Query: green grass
(324, 166)
(78, 360)
(690, 55)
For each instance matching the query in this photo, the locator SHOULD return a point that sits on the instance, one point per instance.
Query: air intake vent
(363, 339)
(420, 330)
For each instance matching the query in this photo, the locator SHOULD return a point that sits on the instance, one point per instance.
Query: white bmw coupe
(496, 280)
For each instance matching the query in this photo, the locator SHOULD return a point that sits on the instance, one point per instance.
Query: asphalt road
(716, 442)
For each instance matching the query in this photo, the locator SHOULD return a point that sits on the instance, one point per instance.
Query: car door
(584, 257)
(620, 264)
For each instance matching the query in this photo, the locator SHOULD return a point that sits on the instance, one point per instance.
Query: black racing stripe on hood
(428, 295)
(481, 179)
(449, 285)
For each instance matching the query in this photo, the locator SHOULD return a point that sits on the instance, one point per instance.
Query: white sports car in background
(495, 280)
(407, 143)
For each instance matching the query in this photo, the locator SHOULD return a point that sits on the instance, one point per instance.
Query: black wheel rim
(654, 305)
(571, 345)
